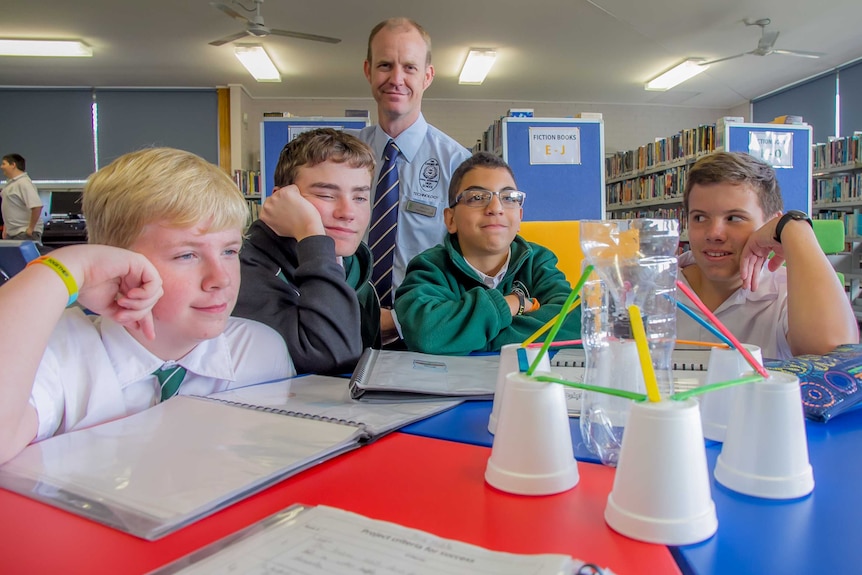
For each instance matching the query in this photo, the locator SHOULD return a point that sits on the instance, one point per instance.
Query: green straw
(585, 386)
(714, 386)
(556, 328)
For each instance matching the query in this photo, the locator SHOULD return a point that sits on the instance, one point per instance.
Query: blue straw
(693, 315)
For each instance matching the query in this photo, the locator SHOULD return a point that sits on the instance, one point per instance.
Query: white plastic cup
(508, 364)
(725, 364)
(661, 490)
(765, 451)
(532, 452)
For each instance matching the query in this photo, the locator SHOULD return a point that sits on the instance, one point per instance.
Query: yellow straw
(643, 353)
(550, 323)
(703, 343)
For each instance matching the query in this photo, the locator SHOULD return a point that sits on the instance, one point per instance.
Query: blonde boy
(163, 281)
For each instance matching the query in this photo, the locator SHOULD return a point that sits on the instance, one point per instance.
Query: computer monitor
(66, 203)
(14, 255)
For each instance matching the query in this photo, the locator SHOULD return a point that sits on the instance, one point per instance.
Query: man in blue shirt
(398, 68)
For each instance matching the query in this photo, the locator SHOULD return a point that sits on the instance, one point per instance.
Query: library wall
(626, 126)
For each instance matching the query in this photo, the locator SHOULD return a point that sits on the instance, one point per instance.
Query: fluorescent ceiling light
(477, 66)
(676, 75)
(64, 48)
(257, 62)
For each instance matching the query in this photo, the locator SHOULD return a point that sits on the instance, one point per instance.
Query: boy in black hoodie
(305, 270)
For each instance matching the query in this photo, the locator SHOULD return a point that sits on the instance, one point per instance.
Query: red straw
(726, 332)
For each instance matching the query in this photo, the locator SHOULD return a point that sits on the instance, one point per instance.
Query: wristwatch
(790, 215)
(520, 290)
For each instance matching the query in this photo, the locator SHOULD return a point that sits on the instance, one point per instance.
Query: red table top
(429, 484)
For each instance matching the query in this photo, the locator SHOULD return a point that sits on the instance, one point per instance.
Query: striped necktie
(384, 218)
(170, 379)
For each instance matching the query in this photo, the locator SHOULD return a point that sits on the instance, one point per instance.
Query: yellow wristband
(65, 275)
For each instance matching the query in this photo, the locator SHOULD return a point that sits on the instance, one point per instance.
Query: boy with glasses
(484, 286)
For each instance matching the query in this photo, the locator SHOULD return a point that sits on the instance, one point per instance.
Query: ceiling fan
(766, 43)
(254, 25)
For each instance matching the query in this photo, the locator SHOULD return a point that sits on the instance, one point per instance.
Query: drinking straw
(733, 341)
(643, 353)
(548, 325)
(693, 315)
(560, 317)
(585, 386)
(703, 343)
(564, 342)
(713, 386)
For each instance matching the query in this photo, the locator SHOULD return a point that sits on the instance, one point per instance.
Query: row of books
(660, 185)
(839, 188)
(852, 220)
(249, 182)
(838, 152)
(688, 143)
(253, 209)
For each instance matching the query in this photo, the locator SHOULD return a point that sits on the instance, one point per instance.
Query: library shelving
(649, 182)
(838, 195)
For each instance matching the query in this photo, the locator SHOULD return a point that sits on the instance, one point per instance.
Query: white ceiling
(549, 50)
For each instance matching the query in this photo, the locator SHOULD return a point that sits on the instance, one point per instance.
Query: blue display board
(559, 186)
(794, 179)
(276, 132)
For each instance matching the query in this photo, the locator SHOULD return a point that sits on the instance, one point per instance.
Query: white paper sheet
(324, 540)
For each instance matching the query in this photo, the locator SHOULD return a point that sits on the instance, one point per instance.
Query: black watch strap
(788, 216)
(520, 290)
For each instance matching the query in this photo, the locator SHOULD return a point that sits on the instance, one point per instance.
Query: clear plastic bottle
(635, 264)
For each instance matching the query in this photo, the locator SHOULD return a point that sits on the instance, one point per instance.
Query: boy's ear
(449, 219)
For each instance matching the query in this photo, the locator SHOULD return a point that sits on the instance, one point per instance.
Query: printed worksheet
(323, 540)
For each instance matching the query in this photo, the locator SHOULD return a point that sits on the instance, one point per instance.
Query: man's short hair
(321, 145)
(163, 185)
(18, 160)
(737, 168)
(477, 160)
(400, 23)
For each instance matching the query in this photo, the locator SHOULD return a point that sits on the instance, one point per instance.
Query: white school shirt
(94, 371)
(425, 165)
(754, 317)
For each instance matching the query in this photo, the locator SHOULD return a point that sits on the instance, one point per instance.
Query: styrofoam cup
(724, 364)
(661, 488)
(508, 364)
(532, 452)
(765, 451)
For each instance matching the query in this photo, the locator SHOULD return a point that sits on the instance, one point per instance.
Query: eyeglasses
(510, 199)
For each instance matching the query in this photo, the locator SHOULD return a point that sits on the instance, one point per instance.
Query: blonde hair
(159, 184)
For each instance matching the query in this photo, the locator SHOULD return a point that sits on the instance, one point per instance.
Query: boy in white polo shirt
(735, 220)
(162, 272)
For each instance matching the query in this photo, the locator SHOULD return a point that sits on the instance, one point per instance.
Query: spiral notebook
(385, 375)
(158, 470)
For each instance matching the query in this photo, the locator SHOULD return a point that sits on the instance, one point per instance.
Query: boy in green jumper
(484, 286)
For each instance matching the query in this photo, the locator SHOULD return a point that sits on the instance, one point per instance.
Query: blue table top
(815, 534)
(818, 533)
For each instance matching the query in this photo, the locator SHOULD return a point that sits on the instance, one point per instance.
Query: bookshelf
(837, 194)
(648, 182)
(249, 183)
